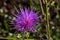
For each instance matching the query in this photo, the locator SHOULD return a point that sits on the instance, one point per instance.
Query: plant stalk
(47, 21)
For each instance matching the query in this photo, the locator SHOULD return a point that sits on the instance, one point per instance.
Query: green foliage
(48, 29)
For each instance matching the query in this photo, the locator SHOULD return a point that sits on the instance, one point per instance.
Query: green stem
(47, 21)
(5, 38)
(16, 9)
(41, 7)
(6, 25)
(31, 3)
(27, 35)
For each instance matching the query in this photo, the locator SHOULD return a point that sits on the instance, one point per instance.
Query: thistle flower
(26, 20)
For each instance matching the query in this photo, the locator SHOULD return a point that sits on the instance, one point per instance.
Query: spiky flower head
(26, 20)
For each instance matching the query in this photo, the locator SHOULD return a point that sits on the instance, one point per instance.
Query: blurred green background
(48, 29)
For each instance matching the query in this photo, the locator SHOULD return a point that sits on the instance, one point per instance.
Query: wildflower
(26, 20)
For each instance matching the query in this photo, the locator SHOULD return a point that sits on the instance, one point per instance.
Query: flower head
(26, 20)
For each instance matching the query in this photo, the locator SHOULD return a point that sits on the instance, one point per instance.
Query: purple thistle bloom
(26, 21)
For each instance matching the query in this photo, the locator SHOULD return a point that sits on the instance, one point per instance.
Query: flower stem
(31, 3)
(5, 38)
(41, 7)
(47, 21)
(6, 25)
